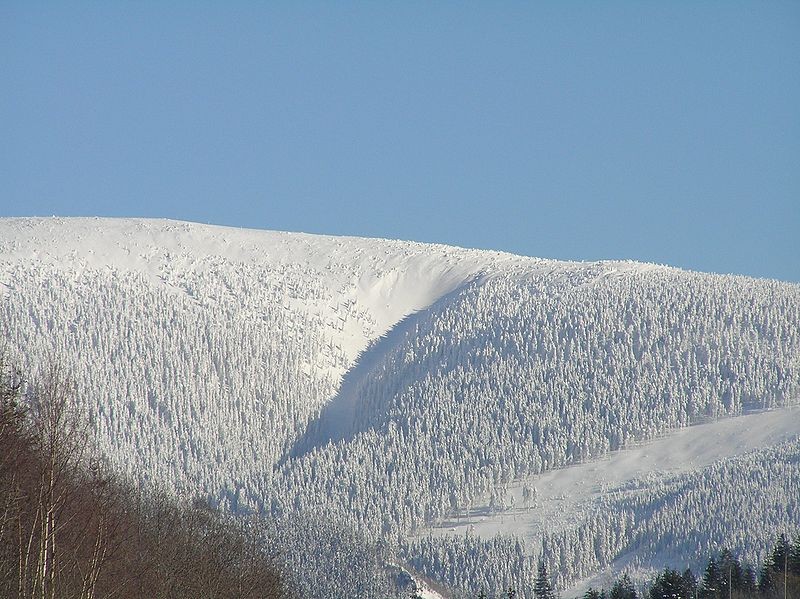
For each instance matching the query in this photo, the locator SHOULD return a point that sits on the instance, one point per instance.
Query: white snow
(302, 317)
(408, 277)
(427, 593)
(385, 280)
(563, 495)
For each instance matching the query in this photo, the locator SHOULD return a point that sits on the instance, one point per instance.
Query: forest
(70, 528)
(202, 362)
(724, 576)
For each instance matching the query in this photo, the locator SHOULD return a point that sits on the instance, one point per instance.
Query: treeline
(724, 576)
(678, 518)
(69, 528)
(684, 517)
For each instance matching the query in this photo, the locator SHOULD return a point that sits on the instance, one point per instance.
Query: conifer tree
(780, 555)
(749, 584)
(712, 580)
(780, 562)
(542, 588)
(670, 584)
(794, 557)
(623, 589)
(730, 572)
(689, 583)
(766, 580)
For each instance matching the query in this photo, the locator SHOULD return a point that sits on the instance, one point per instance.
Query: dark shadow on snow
(338, 419)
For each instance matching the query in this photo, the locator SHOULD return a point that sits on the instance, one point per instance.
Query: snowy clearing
(563, 495)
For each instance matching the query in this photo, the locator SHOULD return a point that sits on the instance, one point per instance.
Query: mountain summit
(403, 388)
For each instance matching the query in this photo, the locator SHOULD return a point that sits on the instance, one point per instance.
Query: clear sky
(657, 131)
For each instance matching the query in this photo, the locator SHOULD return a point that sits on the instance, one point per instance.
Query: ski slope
(563, 496)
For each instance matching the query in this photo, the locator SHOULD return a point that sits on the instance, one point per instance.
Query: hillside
(394, 386)
(207, 332)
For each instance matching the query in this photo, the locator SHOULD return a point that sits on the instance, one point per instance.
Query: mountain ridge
(212, 358)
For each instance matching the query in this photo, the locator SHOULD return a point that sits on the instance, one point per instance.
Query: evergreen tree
(689, 583)
(766, 580)
(623, 589)
(780, 555)
(794, 557)
(749, 584)
(594, 594)
(779, 561)
(542, 589)
(712, 580)
(730, 572)
(670, 584)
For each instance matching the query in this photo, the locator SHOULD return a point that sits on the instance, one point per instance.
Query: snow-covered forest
(390, 387)
(678, 521)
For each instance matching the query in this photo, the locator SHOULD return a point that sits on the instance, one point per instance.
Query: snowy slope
(385, 280)
(394, 385)
(215, 325)
(563, 496)
(565, 499)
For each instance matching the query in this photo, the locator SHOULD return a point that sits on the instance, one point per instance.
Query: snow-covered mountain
(401, 387)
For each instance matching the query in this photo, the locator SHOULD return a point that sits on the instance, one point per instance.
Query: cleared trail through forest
(563, 495)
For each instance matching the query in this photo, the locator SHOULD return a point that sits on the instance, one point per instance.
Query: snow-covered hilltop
(396, 385)
(383, 280)
(201, 324)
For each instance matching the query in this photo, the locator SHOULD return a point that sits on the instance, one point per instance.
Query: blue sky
(665, 132)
